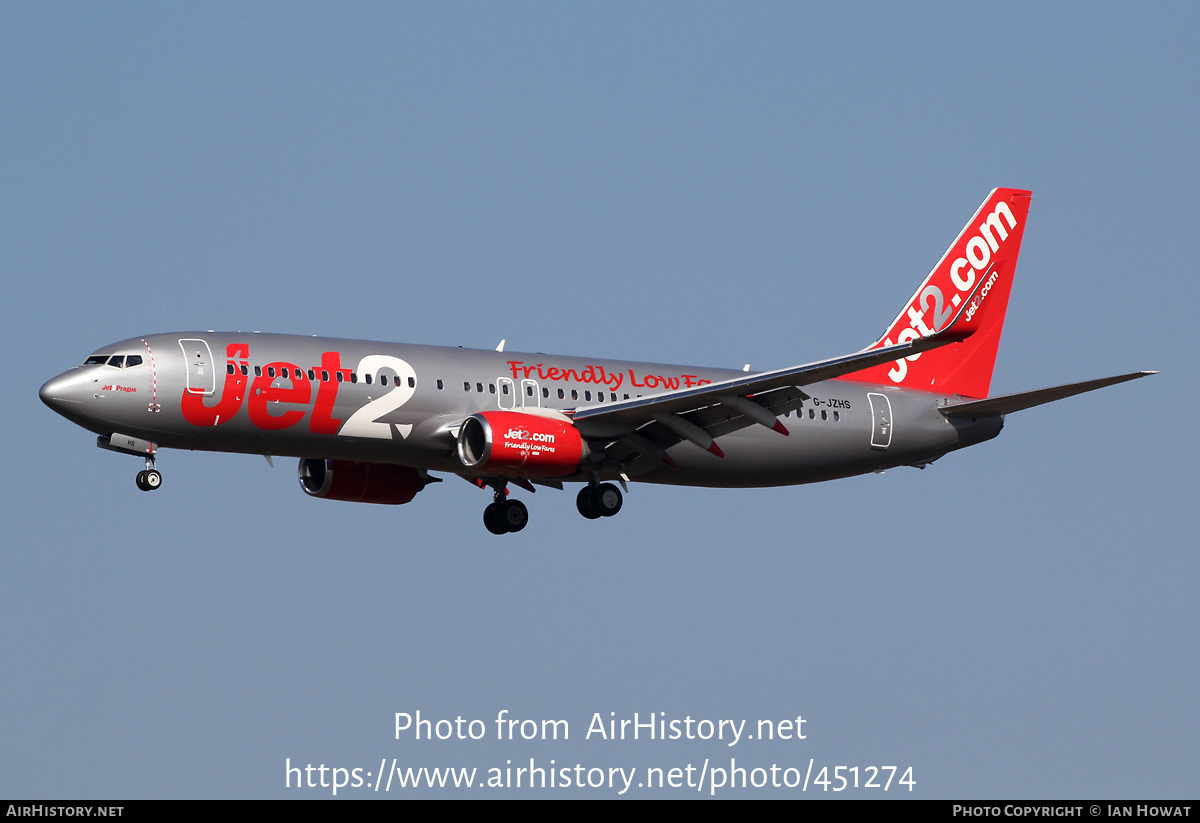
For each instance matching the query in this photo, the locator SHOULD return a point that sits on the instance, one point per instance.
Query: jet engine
(520, 444)
(359, 482)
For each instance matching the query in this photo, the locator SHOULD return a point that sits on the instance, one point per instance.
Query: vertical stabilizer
(981, 260)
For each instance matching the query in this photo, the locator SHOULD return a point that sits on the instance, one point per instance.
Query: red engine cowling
(519, 444)
(359, 482)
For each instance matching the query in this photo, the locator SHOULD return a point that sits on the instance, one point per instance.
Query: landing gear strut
(149, 478)
(503, 516)
(603, 500)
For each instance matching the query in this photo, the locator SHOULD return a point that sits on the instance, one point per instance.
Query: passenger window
(258, 371)
(600, 396)
(824, 415)
(811, 414)
(587, 395)
(466, 386)
(245, 371)
(353, 377)
(324, 376)
(504, 388)
(529, 391)
(561, 394)
(383, 379)
(340, 379)
(412, 382)
(270, 371)
(836, 417)
(545, 392)
(479, 388)
(574, 394)
(368, 379)
(439, 384)
(229, 368)
(492, 388)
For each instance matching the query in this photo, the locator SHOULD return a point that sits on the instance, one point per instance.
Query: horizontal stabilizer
(1024, 400)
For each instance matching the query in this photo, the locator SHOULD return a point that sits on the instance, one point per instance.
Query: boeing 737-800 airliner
(371, 421)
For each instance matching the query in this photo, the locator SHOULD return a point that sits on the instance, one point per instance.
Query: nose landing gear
(149, 478)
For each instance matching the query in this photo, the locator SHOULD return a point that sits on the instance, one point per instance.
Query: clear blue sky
(694, 183)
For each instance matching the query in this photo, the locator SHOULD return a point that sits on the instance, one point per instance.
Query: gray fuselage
(398, 403)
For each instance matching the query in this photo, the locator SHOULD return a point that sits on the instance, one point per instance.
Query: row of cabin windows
(298, 374)
(612, 396)
(812, 415)
(587, 396)
(562, 394)
(412, 383)
(128, 361)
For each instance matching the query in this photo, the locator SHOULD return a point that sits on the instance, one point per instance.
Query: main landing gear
(149, 478)
(504, 516)
(603, 500)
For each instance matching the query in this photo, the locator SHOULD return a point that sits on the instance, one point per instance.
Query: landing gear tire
(141, 481)
(515, 515)
(493, 520)
(152, 480)
(584, 503)
(606, 499)
(508, 516)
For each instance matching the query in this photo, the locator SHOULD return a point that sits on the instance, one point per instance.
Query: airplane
(370, 421)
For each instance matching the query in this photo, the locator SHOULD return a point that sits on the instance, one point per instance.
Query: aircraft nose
(60, 393)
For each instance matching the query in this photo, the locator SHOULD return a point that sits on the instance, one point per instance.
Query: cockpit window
(120, 361)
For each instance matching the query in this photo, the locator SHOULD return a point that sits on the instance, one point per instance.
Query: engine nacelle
(520, 444)
(359, 482)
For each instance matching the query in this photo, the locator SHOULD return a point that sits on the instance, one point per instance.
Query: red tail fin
(984, 256)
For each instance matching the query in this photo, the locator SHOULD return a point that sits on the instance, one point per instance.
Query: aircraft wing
(624, 413)
(648, 426)
(1006, 403)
